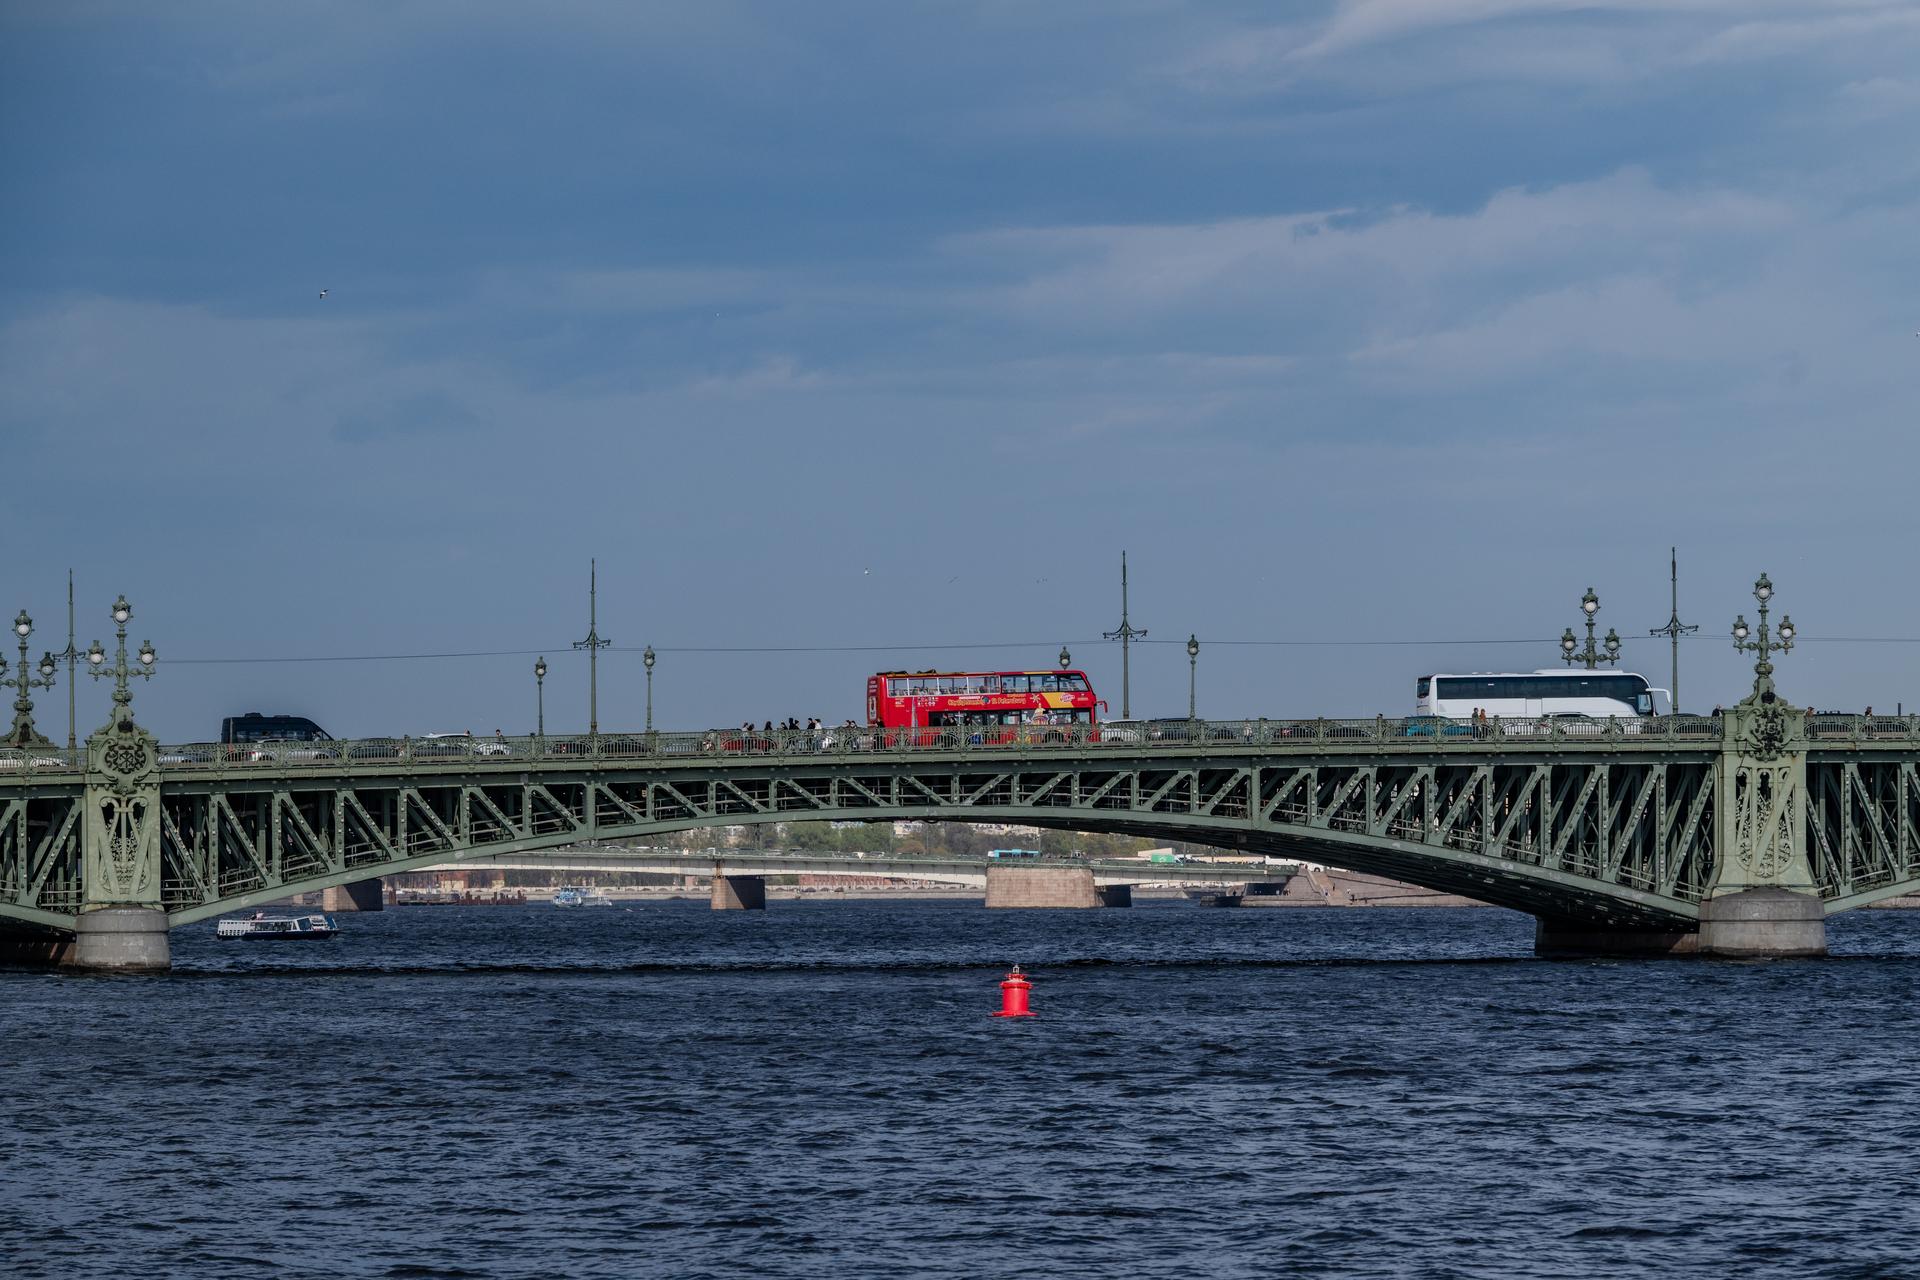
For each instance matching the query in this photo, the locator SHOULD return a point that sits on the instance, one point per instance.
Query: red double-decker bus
(938, 699)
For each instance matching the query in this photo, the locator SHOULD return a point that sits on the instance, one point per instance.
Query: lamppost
(593, 644)
(1066, 659)
(1193, 665)
(1570, 651)
(1762, 645)
(120, 671)
(1125, 635)
(22, 733)
(647, 659)
(540, 697)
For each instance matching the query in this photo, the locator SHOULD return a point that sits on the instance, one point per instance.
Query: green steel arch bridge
(1737, 833)
(1607, 830)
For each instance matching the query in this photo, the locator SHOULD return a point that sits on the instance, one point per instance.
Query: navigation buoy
(1013, 996)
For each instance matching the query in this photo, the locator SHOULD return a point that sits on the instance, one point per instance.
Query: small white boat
(572, 897)
(261, 927)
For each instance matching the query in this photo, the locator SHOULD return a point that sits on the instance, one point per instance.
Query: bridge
(1737, 833)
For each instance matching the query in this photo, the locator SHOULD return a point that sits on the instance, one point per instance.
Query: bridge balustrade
(1172, 735)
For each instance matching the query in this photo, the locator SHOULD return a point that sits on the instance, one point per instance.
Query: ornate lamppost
(1193, 665)
(1066, 659)
(540, 697)
(23, 734)
(1762, 643)
(647, 660)
(1592, 656)
(120, 671)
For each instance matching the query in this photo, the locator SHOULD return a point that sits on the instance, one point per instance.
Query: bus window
(1426, 684)
(990, 684)
(1048, 683)
(1076, 683)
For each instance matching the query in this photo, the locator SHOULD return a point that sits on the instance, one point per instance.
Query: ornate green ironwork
(1591, 656)
(23, 733)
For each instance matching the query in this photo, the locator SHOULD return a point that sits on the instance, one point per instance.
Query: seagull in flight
(323, 293)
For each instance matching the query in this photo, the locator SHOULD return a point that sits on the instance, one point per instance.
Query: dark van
(254, 727)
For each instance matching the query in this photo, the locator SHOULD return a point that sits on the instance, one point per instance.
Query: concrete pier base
(739, 893)
(361, 895)
(122, 940)
(1115, 895)
(1558, 937)
(1763, 923)
(1015, 886)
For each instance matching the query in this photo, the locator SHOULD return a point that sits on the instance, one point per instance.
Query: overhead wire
(562, 649)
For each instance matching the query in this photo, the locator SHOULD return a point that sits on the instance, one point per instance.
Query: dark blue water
(817, 1091)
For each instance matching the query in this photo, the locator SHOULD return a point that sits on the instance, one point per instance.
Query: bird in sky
(323, 293)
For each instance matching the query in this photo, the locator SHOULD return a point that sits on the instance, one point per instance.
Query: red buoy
(1013, 996)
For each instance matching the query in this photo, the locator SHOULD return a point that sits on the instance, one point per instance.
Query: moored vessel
(261, 927)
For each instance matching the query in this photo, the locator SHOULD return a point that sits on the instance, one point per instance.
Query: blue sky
(891, 325)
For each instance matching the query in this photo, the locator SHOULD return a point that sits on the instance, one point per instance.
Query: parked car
(188, 755)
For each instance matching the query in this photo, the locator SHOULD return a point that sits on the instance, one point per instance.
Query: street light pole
(593, 644)
(1675, 628)
(120, 671)
(647, 659)
(1193, 665)
(1592, 656)
(1763, 645)
(23, 733)
(1066, 659)
(540, 698)
(1125, 636)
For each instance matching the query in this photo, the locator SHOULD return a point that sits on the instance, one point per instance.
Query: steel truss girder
(1624, 836)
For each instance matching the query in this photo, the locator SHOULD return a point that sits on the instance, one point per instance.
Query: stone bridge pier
(1762, 901)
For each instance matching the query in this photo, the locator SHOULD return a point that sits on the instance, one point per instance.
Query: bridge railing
(1130, 737)
(1829, 726)
(38, 760)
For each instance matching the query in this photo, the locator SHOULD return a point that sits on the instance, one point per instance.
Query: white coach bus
(1519, 695)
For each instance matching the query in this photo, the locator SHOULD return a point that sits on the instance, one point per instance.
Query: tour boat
(572, 897)
(260, 927)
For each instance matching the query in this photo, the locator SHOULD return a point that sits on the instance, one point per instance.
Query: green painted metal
(1622, 821)
(1592, 656)
(23, 733)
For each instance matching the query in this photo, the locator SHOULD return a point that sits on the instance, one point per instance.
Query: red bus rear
(938, 699)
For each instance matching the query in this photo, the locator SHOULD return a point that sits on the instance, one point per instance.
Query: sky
(1373, 331)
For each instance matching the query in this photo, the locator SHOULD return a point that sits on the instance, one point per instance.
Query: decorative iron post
(593, 644)
(540, 698)
(1763, 899)
(122, 923)
(1193, 665)
(23, 733)
(646, 660)
(1066, 659)
(1675, 628)
(1592, 656)
(1125, 635)
(71, 656)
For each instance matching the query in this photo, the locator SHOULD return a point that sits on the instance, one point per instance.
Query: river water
(816, 1090)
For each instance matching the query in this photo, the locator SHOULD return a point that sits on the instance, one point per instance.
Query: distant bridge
(1606, 827)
